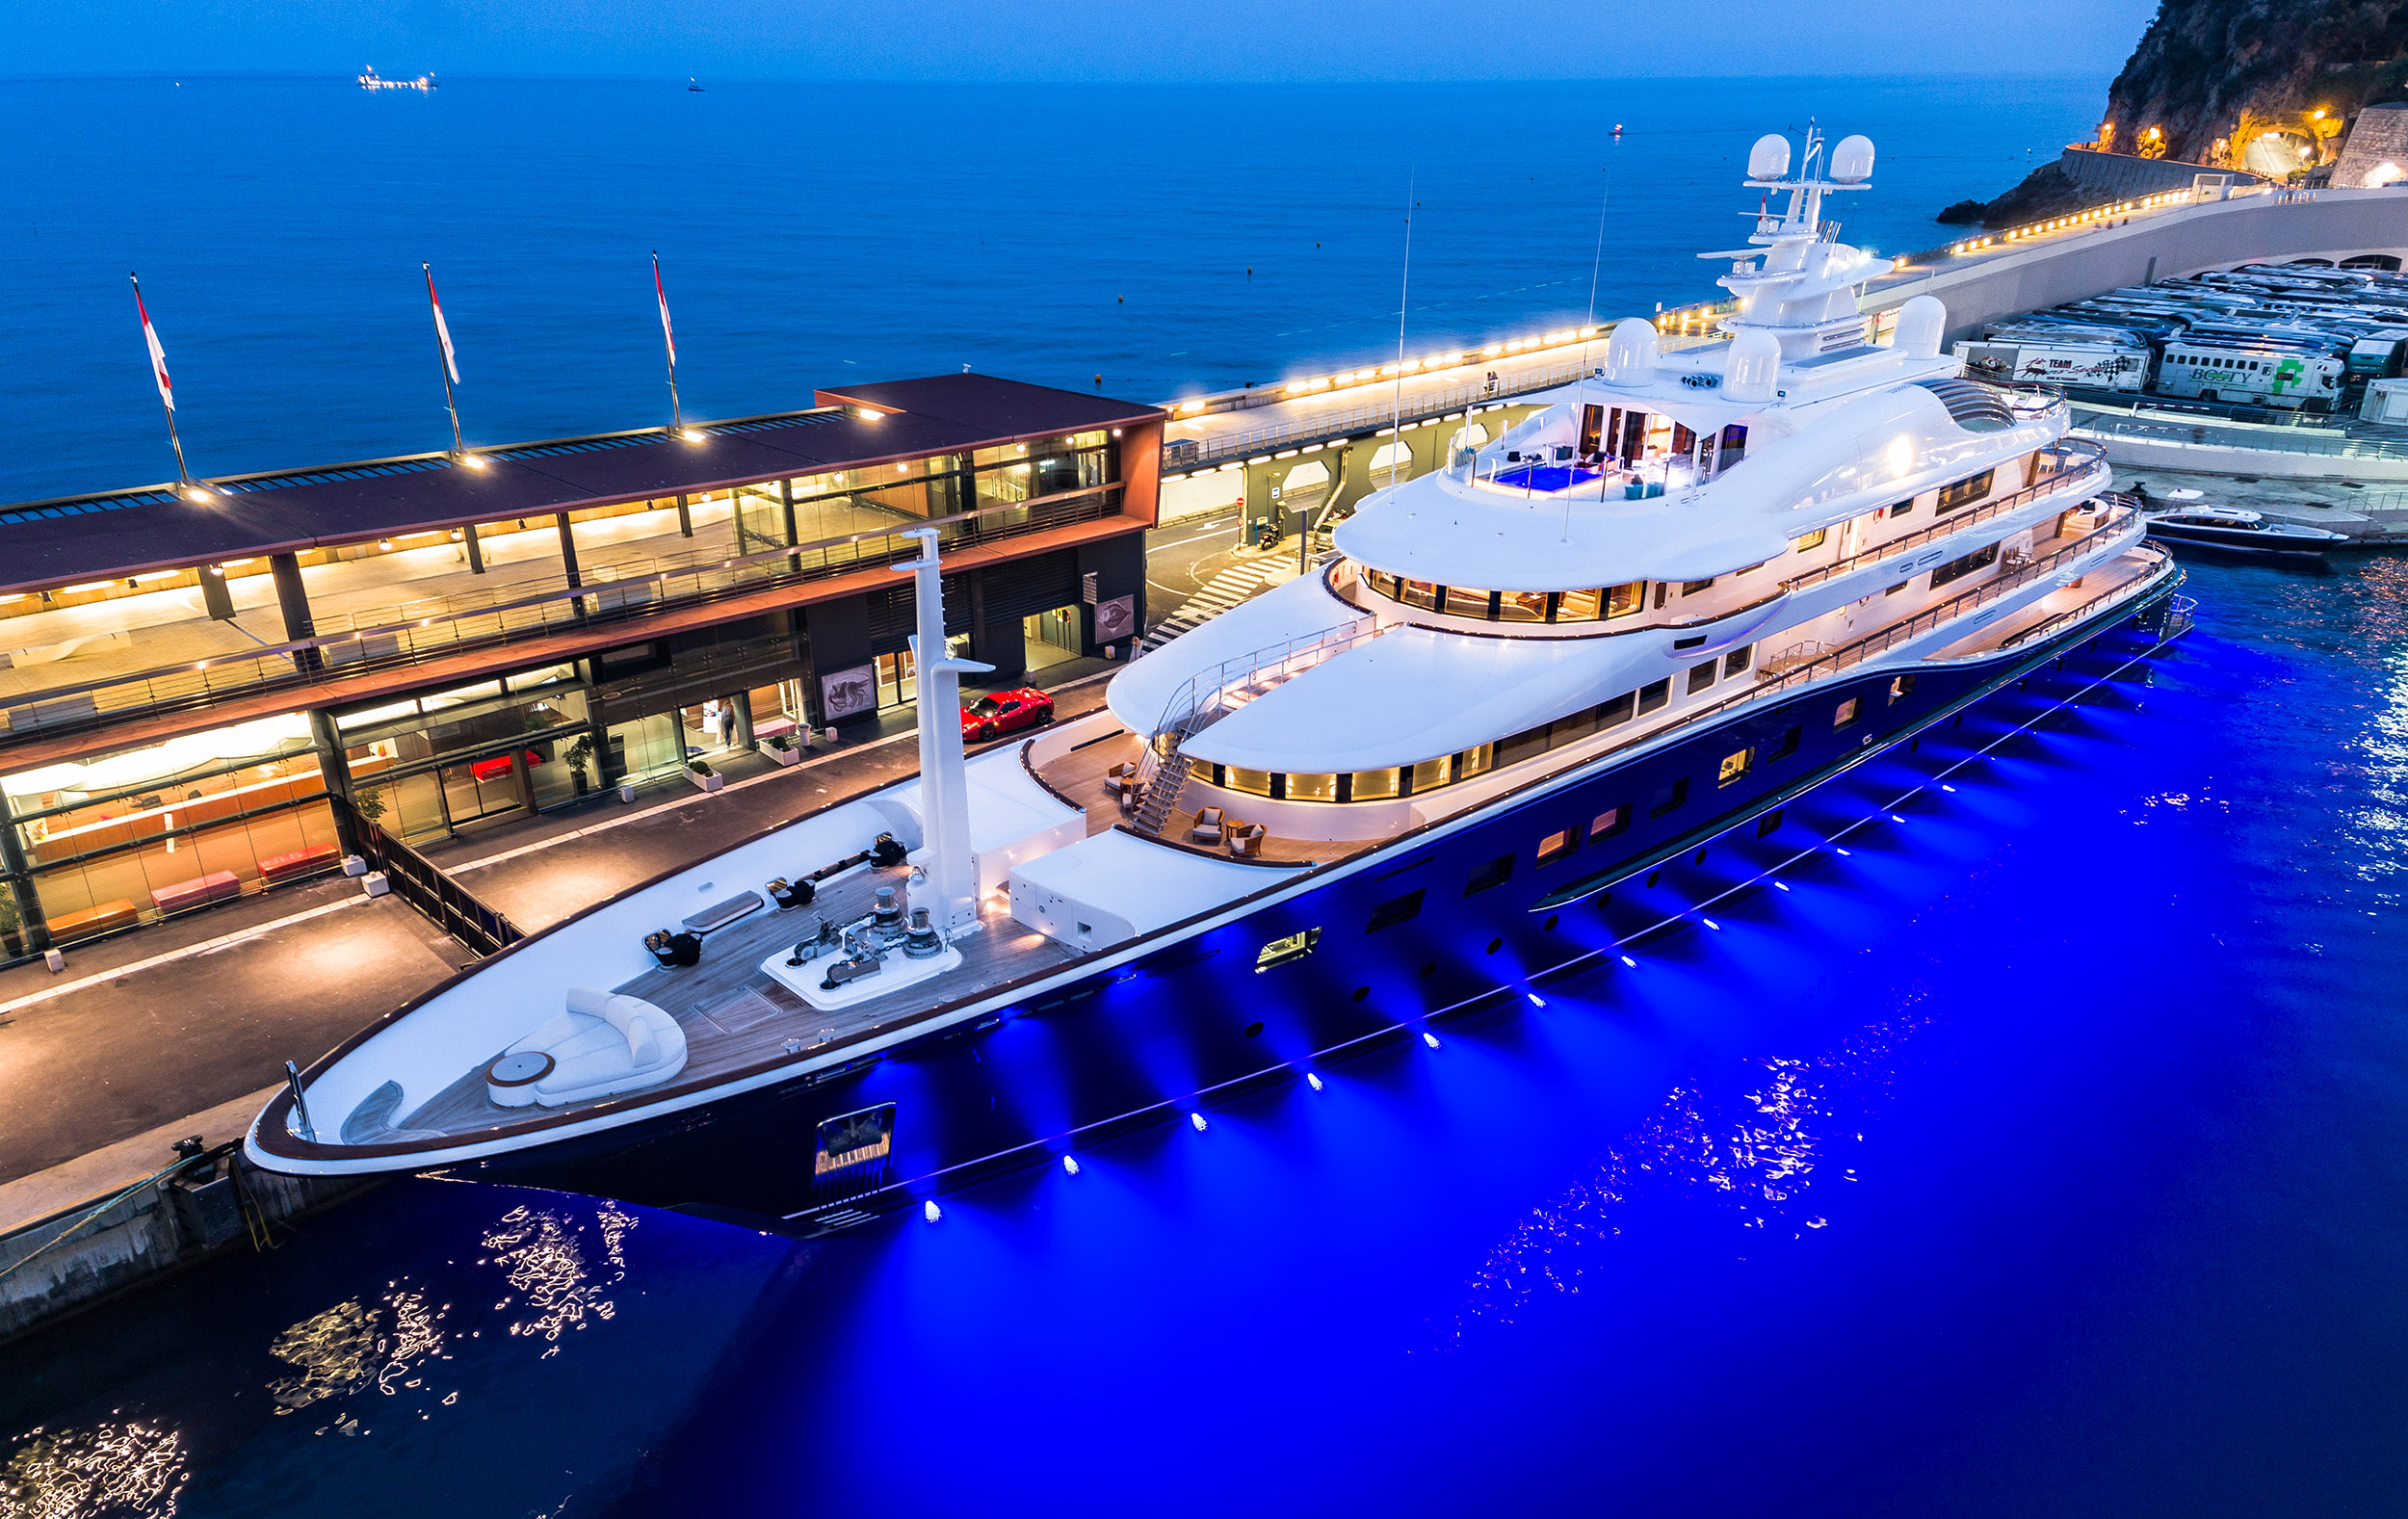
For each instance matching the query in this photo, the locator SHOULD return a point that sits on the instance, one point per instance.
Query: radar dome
(1921, 323)
(1769, 158)
(1751, 371)
(1852, 161)
(1631, 352)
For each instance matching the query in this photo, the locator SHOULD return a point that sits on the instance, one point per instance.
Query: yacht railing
(1382, 411)
(2057, 481)
(2176, 623)
(1208, 695)
(1787, 668)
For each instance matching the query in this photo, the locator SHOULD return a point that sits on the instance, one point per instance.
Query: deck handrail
(1202, 698)
(2057, 481)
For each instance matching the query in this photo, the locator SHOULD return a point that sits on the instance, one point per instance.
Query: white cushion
(605, 1044)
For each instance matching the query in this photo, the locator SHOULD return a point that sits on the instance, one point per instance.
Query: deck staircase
(1211, 695)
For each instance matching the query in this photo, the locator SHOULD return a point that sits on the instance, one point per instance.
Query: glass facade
(136, 836)
(1604, 603)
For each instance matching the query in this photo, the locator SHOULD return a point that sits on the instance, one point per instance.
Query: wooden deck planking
(1002, 951)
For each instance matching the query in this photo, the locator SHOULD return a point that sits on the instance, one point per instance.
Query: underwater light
(1537, 1001)
(1894, 817)
(1944, 786)
(1312, 1080)
(1429, 1039)
(1841, 849)
(1632, 963)
(1198, 1119)
(1070, 1166)
(1709, 923)
(930, 1212)
(1781, 885)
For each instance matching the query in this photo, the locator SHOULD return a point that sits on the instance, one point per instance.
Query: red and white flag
(667, 336)
(442, 333)
(158, 354)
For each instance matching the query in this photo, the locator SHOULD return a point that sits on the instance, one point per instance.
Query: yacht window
(1578, 606)
(1474, 762)
(1671, 797)
(1396, 909)
(1462, 603)
(1902, 686)
(1609, 714)
(1420, 593)
(1519, 746)
(1496, 873)
(1735, 766)
(1279, 952)
(1572, 729)
(1845, 714)
(1700, 676)
(1555, 846)
(1654, 694)
(1768, 823)
(1891, 590)
(1958, 568)
(1312, 788)
(1691, 587)
(1253, 782)
(1734, 444)
(1623, 600)
(1610, 822)
(1789, 743)
(1962, 494)
(1430, 774)
(1747, 570)
(1812, 540)
(1521, 605)
(1902, 507)
(1374, 785)
(1382, 581)
(1737, 661)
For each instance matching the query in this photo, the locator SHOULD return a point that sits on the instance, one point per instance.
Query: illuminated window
(1846, 713)
(1578, 606)
(1420, 593)
(1691, 587)
(1522, 605)
(1814, 540)
(1313, 788)
(1281, 952)
(1610, 822)
(1623, 600)
(1430, 774)
(1555, 846)
(1902, 686)
(1462, 603)
(1253, 782)
(1962, 494)
(1735, 766)
(1374, 785)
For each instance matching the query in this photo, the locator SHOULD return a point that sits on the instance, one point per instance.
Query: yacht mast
(951, 895)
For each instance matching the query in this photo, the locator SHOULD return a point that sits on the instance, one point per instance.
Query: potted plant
(368, 804)
(12, 942)
(704, 777)
(780, 747)
(579, 754)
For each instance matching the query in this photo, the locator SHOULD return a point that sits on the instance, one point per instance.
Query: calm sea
(2045, 1156)
(811, 234)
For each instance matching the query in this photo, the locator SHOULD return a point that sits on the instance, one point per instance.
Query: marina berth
(1686, 590)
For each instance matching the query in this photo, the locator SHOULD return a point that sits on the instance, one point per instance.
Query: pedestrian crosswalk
(1217, 596)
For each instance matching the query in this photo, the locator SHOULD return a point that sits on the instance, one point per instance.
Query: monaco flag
(667, 335)
(442, 333)
(158, 354)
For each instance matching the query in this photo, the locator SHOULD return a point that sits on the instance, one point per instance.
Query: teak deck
(735, 1015)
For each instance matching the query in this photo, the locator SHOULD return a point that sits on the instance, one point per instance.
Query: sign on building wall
(1116, 619)
(849, 693)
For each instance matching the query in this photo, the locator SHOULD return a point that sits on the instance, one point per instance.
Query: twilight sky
(1069, 40)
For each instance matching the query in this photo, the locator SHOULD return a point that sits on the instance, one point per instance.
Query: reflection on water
(537, 1251)
(1753, 1154)
(129, 1469)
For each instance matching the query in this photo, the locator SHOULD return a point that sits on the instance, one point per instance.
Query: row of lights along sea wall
(2078, 219)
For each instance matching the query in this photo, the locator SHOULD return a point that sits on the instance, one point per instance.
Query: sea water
(1144, 241)
(2042, 1155)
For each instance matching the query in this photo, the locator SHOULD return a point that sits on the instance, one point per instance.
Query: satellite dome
(1769, 158)
(1852, 161)
(1631, 352)
(1751, 371)
(1921, 323)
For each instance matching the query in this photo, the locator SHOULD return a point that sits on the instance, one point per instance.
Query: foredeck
(734, 1016)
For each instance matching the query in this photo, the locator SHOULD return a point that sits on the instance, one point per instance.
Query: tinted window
(1496, 873)
(1396, 909)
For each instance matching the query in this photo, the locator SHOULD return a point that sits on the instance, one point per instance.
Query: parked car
(1001, 712)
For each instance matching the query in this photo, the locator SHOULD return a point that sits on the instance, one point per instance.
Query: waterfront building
(450, 640)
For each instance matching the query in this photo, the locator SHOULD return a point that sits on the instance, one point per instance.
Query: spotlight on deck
(930, 1212)
(473, 461)
(199, 493)
(692, 436)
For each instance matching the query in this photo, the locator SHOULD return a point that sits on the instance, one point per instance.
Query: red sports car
(1001, 712)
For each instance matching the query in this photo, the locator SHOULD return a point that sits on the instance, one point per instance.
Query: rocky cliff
(2267, 85)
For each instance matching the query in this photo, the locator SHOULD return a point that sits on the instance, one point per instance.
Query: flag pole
(669, 339)
(159, 376)
(444, 362)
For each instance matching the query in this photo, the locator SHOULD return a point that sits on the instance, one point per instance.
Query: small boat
(693, 87)
(2234, 528)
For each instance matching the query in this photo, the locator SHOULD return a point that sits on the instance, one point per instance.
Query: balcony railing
(414, 632)
(2070, 477)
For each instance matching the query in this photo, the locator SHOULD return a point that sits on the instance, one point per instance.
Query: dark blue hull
(1148, 1040)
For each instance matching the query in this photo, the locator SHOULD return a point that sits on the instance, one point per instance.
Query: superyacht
(1691, 588)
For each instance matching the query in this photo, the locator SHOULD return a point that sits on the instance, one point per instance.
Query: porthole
(1550, 925)
(1361, 992)
(1253, 1029)
(1494, 945)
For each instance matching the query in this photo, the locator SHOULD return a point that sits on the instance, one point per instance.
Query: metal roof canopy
(112, 534)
